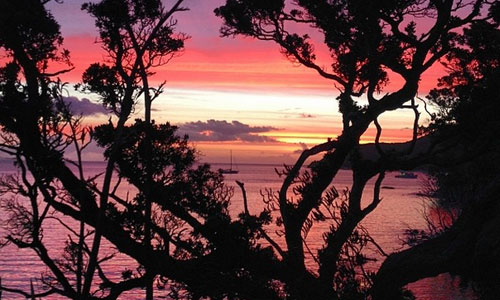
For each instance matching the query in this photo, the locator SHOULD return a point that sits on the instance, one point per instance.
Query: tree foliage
(467, 105)
(369, 44)
(177, 226)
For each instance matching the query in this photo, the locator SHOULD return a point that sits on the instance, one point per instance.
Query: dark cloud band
(221, 130)
(84, 106)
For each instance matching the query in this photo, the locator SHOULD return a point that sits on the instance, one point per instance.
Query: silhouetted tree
(138, 36)
(369, 43)
(469, 105)
(176, 227)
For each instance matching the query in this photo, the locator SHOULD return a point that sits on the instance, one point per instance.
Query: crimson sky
(239, 93)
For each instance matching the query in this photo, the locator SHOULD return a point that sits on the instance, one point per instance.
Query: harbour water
(400, 209)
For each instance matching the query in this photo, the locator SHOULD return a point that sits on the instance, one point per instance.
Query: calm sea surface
(400, 209)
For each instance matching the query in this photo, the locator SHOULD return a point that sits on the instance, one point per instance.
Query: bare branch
(261, 230)
(244, 192)
(376, 195)
(377, 138)
(294, 171)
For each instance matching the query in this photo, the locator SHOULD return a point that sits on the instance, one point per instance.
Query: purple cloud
(221, 130)
(84, 106)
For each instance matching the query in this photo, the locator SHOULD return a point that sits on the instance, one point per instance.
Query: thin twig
(261, 230)
(25, 294)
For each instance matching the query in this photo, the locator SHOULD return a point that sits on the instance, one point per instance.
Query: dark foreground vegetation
(177, 226)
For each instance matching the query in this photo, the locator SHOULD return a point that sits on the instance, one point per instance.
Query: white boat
(230, 170)
(407, 175)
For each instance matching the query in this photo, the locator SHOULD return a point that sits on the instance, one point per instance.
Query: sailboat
(230, 170)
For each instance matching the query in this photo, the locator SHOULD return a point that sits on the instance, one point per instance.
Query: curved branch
(377, 137)
(415, 127)
(294, 171)
(376, 195)
(425, 108)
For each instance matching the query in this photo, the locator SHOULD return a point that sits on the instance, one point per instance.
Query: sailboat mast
(230, 170)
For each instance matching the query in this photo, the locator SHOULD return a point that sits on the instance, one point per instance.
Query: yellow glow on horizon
(294, 137)
(290, 120)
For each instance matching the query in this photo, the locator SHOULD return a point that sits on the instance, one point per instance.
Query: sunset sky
(238, 94)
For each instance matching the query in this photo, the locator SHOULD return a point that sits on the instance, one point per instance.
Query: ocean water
(401, 208)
